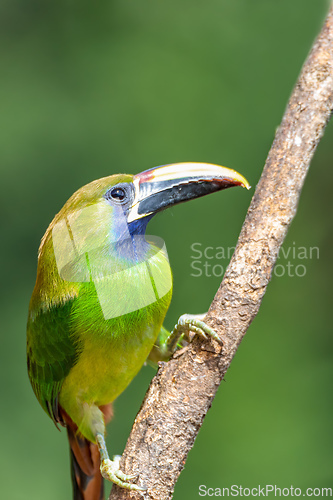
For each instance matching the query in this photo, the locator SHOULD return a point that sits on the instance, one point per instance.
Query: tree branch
(183, 389)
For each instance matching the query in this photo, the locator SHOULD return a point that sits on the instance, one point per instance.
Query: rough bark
(183, 389)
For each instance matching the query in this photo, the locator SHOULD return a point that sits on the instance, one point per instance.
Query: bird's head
(125, 203)
(100, 230)
(116, 208)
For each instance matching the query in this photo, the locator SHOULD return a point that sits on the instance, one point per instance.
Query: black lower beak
(163, 187)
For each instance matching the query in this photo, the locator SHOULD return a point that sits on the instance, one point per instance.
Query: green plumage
(72, 349)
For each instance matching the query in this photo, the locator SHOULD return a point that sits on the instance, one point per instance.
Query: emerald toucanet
(103, 288)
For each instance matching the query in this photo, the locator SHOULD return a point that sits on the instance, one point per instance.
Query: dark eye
(121, 194)
(117, 193)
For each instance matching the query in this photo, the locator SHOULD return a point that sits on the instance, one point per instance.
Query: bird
(102, 291)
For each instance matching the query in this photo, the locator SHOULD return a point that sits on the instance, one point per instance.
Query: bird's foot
(187, 324)
(110, 471)
(194, 323)
(110, 468)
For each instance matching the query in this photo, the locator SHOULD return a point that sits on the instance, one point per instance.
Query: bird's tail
(86, 477)
(85, 462)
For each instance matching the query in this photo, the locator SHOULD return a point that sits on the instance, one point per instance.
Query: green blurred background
(95, 88)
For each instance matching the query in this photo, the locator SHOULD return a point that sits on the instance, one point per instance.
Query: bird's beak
(162, 187)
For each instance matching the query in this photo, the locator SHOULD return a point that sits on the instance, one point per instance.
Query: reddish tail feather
(85, 461)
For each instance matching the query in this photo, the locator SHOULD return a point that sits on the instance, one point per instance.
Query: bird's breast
(117, 317)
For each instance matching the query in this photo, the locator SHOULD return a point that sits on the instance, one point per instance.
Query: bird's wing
(52, 351)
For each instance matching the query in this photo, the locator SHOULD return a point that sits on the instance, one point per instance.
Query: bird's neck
(138, 227)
